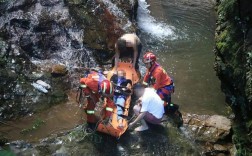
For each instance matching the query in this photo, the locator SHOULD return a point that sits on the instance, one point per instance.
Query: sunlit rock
(59, 70)
(207, 128)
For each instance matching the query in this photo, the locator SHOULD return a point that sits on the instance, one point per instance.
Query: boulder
(59, 70)
(219, 122)
(207, 128)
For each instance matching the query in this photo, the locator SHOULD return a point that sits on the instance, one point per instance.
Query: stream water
(181, 33)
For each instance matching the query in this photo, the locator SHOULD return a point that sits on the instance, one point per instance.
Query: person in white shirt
(149, 107)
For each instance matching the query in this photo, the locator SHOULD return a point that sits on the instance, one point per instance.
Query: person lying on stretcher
(121, 91)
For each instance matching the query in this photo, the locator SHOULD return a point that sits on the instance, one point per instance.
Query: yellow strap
(109, 109)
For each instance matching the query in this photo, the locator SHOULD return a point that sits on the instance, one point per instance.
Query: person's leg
(165, 94)
(89, 110)
(120, 104)
(138, 56)
(151, 118)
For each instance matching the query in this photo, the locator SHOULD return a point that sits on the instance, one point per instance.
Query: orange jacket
(92, 81)
(159, 76)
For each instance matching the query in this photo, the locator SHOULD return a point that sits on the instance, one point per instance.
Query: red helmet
(149, 57)
(106, 87)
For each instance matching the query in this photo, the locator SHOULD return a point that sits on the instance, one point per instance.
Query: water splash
(150, 25)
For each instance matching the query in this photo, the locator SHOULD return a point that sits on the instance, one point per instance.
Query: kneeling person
(148, 108)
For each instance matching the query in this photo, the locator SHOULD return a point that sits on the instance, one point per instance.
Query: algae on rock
(233, 64)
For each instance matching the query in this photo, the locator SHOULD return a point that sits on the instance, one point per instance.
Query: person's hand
(130, 125)
(139, 101)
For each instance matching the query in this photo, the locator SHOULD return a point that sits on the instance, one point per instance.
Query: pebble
(42, 83)
(39, 87)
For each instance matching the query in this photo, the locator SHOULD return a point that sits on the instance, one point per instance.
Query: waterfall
(150, 25)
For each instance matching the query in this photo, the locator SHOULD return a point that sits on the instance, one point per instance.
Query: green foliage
(231, 46)
(226, 9)
(222, 37)
(35, 126)
(221, 46)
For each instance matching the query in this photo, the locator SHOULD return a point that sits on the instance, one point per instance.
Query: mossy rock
(59, 70)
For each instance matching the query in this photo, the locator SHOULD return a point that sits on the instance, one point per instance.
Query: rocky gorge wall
(37, 34)
(233, 65)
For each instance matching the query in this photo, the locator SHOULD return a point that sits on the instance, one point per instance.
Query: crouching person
(149, 107)
(96, 88)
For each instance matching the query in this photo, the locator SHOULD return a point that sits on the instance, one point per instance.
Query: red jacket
(91, 81)
(159, 77)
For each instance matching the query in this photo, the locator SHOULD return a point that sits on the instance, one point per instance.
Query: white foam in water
(150, 25)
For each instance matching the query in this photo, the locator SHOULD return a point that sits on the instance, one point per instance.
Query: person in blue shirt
(121, 91)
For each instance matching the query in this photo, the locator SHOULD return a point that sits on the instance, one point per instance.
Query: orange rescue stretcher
(111, 128)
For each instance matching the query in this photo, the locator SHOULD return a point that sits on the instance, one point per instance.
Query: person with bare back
(128, 46)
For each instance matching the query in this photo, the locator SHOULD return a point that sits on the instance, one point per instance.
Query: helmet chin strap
(151, 64)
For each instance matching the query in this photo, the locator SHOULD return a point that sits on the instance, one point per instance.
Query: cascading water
(150, 25)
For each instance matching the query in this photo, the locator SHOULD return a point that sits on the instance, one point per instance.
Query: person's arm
(116, 57)
(158, 79)
(135, 48)
(145, 79)
(139, 117)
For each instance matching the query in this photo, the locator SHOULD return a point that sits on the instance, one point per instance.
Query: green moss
(237, 76)
(35, 126)
(226, 9)
(221, 46)
(222, 36)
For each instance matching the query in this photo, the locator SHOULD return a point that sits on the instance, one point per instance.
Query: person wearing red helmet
(157, 77)
(128, 46)
(95, 86)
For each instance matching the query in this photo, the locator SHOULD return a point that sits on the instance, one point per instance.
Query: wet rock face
(103, 21)
(233, 64)
(233, 58)
(33, 29)
(37, 34)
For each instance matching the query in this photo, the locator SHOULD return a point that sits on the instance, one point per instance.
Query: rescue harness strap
(150, 73)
